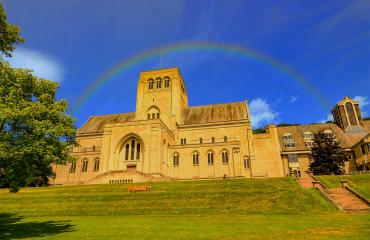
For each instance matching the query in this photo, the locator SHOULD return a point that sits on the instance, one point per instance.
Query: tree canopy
(9, 35)
(35, 129)
(327, 155)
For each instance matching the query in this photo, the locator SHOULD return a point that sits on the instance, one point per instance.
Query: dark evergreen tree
(327, 155)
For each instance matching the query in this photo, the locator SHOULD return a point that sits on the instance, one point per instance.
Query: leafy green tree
(9, 35)
(35, 129)
(327, 155)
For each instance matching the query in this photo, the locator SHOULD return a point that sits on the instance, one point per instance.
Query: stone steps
(345, 200)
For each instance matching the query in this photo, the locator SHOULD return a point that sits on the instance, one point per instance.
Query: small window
(287, 136)
(213, 140)
(175, 159)
(157, 115)
(200, 140)
(183, 141)
(363, 149)
(225, 157)
(246, 163)
(292, 157)
(210, 158)
(307, 135)
(166, 82)
(159, 82)
(153, 115)
(73, 167)
(96, 164)
(93, 148)
(84, 165)
(225, 138)
(148, 116)
(138, 151)
(195, 158)
(150, 83)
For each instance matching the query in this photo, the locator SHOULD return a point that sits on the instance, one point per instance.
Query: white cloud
(261, 113)
(293, 99)
(44, 66)
(363, 103)
(329, 117)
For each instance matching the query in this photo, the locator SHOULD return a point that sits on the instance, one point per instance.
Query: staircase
(347, 201)
(343, 199)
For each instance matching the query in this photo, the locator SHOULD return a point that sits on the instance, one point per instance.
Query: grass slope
(235, 209)
(360, 183)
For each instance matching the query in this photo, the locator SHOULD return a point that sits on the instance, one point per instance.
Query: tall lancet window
(127, 151)
(138, 151)
(132, 149)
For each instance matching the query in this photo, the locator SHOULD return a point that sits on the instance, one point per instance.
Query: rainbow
(196, 45)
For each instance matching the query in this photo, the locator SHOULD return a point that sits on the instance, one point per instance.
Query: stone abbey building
(165, 139)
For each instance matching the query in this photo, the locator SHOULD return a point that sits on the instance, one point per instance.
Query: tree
(35, 129)
(327, 155)
(9, 35)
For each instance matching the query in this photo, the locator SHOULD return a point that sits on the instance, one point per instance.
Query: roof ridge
(112, 114)
(215, 104)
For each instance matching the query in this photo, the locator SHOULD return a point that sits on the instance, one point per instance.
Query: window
(328, 132)
(138, 151)
(213, 140)
(96, 164)
(176, 159)
(200, 140)
(93, 148)
(150, 83)
(309, 144)
(166, 82)
(246, 163)
(225, 157)
(225, 138)
(148, 115)
(210, 157)
(84, 165)
(307, 135)
(126, 151)
(289, 144)
(363, 149)
(183, 141)
(195, 158)
(157, 115)
(153, 115)
(73, 167)
(292, 157)
(132, 149)
(287, 136)
(159, 82)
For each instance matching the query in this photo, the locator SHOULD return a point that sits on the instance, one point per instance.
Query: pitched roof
(97, 123)
(215, 113)
(347, 139)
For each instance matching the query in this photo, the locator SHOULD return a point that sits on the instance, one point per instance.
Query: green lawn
(361, 183)
(275, 208)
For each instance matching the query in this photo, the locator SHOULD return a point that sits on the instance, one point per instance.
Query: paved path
(344, 199)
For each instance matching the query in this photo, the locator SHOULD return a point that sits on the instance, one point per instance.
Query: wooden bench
(133, 189)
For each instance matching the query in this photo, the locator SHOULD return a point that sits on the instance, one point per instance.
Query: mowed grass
(361, 183)
(275, 208)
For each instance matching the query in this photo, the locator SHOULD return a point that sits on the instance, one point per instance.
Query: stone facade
(165, 139)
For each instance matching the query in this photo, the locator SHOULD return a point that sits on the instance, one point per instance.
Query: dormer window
(328, 132)
(307, 135)
(287, 136)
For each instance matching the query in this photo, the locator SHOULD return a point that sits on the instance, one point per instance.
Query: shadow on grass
(12, 228)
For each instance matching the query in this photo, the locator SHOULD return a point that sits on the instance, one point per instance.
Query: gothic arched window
(150, 83)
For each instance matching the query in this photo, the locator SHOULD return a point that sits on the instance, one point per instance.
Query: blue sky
(327, 42)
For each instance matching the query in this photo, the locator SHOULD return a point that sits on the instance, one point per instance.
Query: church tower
(161, 94)
(346, 113)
